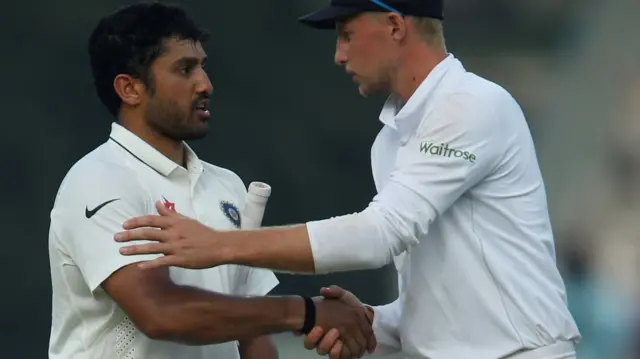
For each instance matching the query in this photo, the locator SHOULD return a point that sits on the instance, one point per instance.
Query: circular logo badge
(231, 212)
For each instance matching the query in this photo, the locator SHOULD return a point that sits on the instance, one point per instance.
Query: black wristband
(309, 315)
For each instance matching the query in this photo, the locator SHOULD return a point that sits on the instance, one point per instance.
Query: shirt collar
(405, 118)
(149, 156)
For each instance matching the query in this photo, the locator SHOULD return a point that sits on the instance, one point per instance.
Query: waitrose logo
(443, 150)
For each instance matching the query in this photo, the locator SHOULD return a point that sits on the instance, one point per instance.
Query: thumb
(333, 292)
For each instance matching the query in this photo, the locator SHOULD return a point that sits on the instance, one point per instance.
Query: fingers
(344, 354)
(163, 210)
(148, 221)
(143, 234)
(370, 314)
(312, 339)
(361, 334)
(328, 342)
(333, 292)
(337, 350)
(368, 339)
(372, 343)
(149, 248)
(164, 261)
(352, 344)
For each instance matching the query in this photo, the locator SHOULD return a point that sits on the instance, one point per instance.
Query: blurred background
(286, 115)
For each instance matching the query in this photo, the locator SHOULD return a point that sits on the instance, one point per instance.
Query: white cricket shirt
(86, 322)
(461, 209)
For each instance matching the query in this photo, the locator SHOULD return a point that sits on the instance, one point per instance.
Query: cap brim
(326, 18)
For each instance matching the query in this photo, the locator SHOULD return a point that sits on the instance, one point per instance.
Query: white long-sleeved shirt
(461, 209)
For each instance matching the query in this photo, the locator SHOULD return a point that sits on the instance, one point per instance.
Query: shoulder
(471, 104)
(97, 177)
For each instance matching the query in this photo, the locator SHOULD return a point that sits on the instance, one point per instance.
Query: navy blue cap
(340, 9)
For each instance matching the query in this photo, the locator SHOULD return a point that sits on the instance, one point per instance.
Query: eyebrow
(191, 61)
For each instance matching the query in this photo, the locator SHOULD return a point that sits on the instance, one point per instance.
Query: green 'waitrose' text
(444, 150)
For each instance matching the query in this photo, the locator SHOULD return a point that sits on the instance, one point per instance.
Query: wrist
(224, 246)
(309, 315)
(294, 313)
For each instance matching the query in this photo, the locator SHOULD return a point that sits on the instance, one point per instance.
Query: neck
(417, 65)
(174, 150)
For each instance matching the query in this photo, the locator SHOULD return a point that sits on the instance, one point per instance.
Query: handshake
(343, 326)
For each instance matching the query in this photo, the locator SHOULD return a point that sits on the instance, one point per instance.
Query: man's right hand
(341, 315)
(331, 340)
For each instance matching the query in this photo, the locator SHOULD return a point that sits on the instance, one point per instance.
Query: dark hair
(130, 40)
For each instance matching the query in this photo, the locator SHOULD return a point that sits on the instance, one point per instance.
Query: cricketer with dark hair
(148, 66)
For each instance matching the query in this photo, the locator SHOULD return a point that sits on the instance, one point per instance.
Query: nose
(340, 57)
(203, 84)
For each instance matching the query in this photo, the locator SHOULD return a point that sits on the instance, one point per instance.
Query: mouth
(201, 108)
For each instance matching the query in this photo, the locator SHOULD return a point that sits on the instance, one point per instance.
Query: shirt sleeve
(87, 238)
(454, 148)
(385, 327)
(254, 281)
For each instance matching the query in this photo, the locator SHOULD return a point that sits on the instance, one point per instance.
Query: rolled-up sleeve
(453, 148)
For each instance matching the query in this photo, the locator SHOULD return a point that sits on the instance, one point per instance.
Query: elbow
(166, 329)
(397, 233)
(376, 259)
(158, 327)
(171, 327)
(160, 324)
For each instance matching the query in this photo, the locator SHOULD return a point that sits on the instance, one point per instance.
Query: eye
(185, 70)
(345, 35)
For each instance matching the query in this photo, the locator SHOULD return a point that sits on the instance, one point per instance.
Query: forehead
(176, 49)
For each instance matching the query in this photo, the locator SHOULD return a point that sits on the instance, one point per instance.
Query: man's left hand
(184, 242)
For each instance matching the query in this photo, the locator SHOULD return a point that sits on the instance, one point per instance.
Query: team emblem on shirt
(231, 212)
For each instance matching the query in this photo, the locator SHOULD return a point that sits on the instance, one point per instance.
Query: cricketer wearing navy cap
(460, 208)
(340, 9)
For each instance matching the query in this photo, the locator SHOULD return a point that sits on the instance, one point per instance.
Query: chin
(191, 133)
(365, 91)
(197, 134)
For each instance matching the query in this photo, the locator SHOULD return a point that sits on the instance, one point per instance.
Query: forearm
(343, 243)
(280, 249)
(258, 348)
(193, 316)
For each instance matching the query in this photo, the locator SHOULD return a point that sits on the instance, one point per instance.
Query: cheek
(366, 53)
(360, 56)
(174, 88)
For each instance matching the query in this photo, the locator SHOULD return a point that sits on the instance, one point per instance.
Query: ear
(398, 26)
(129, 89)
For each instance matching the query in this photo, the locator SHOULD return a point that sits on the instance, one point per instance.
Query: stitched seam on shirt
(493, 279)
